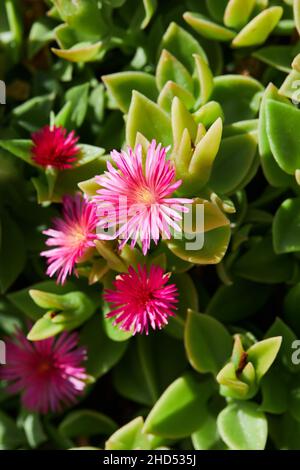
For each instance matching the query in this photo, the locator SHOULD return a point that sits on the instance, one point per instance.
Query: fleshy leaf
(170, 68)
(121, 85)
(182, 45)
(237, 13)
(129, 437)
(86, 423)
(226, 90)
(283, 119)
(146, 117)
(178, 411)
(286, 227)
(243, 426)
(81, 52)
(207, 28)
(207, 342)
(259, 28)
(263, 354)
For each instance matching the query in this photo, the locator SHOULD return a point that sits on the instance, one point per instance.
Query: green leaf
(112, 331)
(205, 78)
(146, 117)
(67, 181)
(296, 5)
(88, 153)
(290, 86)
(129, 437)
(182, 45)
(282, 120)
(150, 7)
(65, 312)
(86, 423)
(12, 252)
(259, 28)
(243, 426)
(274, 389)
(260, 264)
(169, 91)
(216, 9)
(152, 363)
(208, 114)
(273, 173)
(45, 328)
(237, 301)
(207, 342)
(226, 90)
(215, 245)
(263, 354)
(279, 328)
(103, 353)
(181, 120)
(178, 412)
(208, 28)
(11, 436)
(279, 57)
(40, 34)
(19, 148)
(170, 69)
(34, 113)
(78, 97)
(33, 428)
(121, 85)
(238, 153)
(205, 237)
(294, 399)
(22, 300)
(187, 299)
(284, 431)
(237, 13)
(81, 52)
(84, 16)
(291, 303)
(286, 227)
(206, 436)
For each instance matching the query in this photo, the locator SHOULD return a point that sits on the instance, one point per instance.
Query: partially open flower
(53, 147)
(71, 237)
(141, 298)
(134, 198)
(47, 373)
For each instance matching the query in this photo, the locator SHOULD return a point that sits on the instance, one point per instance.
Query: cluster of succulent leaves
(218, 81)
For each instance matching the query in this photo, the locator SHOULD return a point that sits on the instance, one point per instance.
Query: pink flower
(141, 298)
(71, 237)
(134, 197)
(52, 146)
(47, 373)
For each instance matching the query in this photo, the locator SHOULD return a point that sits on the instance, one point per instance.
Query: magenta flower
(52, 146)
(71, 237)
(47, 373)
(141, 298)
(134, 197)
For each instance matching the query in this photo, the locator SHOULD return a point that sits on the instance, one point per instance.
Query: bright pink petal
(53, 147)
(72, 235)
(149, 212)
(47, 373)
(141, 298)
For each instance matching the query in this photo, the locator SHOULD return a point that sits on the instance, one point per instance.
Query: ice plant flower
(134, 198)
(71, 237)
(53, 147)
(47, 373)
(141, 298)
